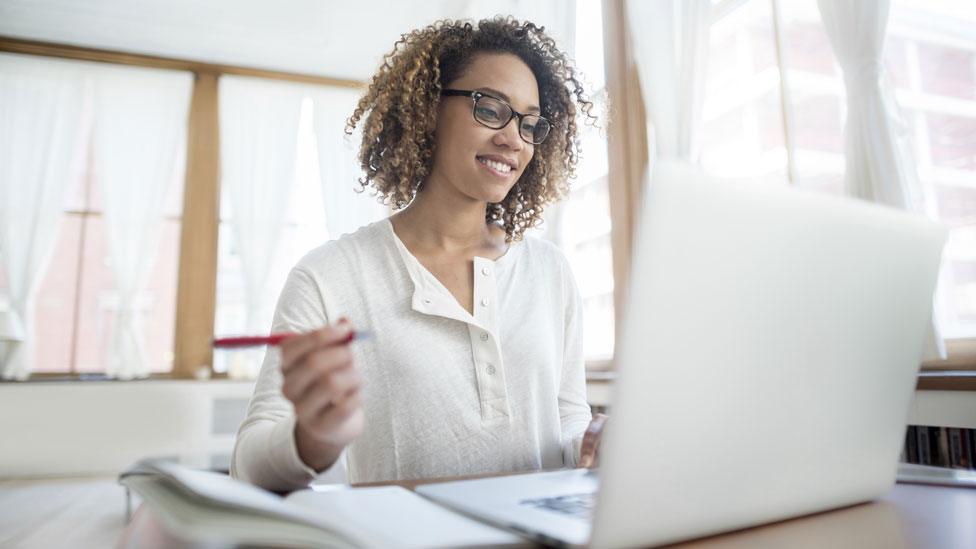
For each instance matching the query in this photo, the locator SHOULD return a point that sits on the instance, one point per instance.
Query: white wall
(98, 428)
(936, 408)
(325, 37)
(944, 409)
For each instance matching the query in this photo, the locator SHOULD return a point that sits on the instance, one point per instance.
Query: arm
(574, 411)
(266, 452)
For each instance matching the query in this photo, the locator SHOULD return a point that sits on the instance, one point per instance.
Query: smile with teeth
(499, 167)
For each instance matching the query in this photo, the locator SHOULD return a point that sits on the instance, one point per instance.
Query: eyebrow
(492, 91)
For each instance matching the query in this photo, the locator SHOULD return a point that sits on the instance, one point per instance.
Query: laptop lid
(768, 356)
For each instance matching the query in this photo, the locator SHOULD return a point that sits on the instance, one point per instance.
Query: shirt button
(427, 301)
(486, 271)
(490, 368)
(484, 301)
(484, 336)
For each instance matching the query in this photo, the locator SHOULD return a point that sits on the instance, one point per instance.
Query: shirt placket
(485, 346)
(431, 298)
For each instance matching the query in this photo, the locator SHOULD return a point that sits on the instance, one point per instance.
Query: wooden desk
(909, 516)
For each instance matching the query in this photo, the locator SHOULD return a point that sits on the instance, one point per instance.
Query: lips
(498, 165)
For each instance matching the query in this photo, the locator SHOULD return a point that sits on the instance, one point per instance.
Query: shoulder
(349, 251)
(544, 253)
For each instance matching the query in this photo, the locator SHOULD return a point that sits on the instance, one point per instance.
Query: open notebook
(203, 506)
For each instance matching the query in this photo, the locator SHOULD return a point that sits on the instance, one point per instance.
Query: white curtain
(670, 45)
(41, 142)
(138, 149)
(880, 163)
(258, 135)
(345, 209)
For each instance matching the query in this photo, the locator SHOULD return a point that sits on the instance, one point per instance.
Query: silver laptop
(766, 367)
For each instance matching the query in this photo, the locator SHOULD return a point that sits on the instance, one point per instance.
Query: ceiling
(321, 37)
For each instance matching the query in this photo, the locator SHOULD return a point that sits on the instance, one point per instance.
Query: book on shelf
(924, 447)
(949, 447)
(911, 443)
(209, 507)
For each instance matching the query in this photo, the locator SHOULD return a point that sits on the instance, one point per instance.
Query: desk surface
(909, 516)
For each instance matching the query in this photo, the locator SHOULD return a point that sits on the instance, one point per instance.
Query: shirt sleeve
(265, 453)
(574, 411)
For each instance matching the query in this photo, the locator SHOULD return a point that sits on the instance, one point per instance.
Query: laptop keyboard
(574, 505)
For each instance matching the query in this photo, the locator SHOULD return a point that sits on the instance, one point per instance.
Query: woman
(475, 363)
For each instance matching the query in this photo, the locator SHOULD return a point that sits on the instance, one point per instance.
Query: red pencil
(274, 339)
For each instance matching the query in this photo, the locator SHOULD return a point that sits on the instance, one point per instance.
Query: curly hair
(399, 114)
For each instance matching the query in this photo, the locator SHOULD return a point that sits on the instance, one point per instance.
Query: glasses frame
(477, 95)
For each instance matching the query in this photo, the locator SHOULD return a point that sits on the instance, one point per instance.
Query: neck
(441, 221)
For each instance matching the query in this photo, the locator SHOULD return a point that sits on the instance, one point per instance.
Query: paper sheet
(387, 516)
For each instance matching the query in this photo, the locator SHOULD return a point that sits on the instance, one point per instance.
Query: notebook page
(391, 516)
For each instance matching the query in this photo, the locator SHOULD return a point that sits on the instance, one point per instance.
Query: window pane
(156, 303)
(580, 225)
(817, 99)
(952, 140)
(947, 70)
(55, 301)
(930, 63)
(931, 54)
(160, 326)
(742, 117)
(304, 230)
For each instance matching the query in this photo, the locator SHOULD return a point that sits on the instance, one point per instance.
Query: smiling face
(476, 161)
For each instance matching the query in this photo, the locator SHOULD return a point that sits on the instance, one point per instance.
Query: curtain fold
(138, 147)
(346, 209)
(258, 136)
(879, 159)
(670, 46)
(41, 146)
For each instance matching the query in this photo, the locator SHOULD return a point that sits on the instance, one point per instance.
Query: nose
(509, 136)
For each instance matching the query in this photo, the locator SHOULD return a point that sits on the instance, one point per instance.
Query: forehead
(505, 73)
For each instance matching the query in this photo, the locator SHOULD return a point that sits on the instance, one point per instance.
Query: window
(742, 124)
(930, 62)
(92, 294)
(76, 299)
(304, 230)
(580, 225)
(307, 220)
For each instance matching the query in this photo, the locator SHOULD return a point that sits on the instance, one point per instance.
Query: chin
(494, 198)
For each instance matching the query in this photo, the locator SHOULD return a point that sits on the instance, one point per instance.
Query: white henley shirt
(445, 393)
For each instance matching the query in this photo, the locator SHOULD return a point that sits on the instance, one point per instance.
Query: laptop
(766, 365)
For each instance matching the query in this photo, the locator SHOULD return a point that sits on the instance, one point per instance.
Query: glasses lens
(534, 129)
(492, 112)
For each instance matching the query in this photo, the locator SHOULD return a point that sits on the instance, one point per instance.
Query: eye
(487, 113)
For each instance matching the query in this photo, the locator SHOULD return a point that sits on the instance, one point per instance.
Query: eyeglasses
(496, 114)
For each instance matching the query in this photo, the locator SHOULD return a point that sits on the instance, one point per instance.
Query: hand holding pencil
(321, 381)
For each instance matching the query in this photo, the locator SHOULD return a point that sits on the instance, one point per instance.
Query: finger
(586, 447)
(586, 455)
(330, 390)
(597, 423)
(294, 349)
(333, 416)
(347, 402)
(318, 364)
(314, 367)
